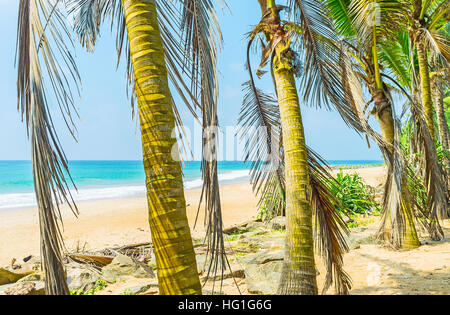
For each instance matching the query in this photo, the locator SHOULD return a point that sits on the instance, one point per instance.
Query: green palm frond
(341, 17)
(44, 59)
(395, 56)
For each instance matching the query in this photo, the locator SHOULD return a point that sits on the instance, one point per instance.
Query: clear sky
(106, 130)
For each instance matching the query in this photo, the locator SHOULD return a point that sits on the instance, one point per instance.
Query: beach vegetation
(100, 285)
(354, 196)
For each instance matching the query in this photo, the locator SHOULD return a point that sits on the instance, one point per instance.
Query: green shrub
(352, 194)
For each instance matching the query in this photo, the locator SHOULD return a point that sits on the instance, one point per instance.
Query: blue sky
(106, 130)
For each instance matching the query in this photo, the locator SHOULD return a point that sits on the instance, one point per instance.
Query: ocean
(100, 180)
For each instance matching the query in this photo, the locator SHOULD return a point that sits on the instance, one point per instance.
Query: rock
(81, 279)
(264, 242)
(354, 241)
(142, 288)
(31, 264)
(38, 276)
(201, 266)
(123, 267)
(244, 227)
(263, 271)
(26, 288)
(7, 277)
(278, 223)
(235, 272)
(263, 257)
(263, 279)
(255, 226)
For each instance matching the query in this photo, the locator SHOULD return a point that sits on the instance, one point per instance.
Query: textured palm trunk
(299, 272)
(444, 136)
(410, 239)
(175, 257)
(426, 88)
(440, 113)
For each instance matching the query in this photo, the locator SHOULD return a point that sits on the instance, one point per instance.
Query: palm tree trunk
(440, 113)
(426, 88)
(410, 239)
(175, 256)
(299, 272)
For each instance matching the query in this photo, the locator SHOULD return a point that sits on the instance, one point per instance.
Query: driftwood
(141, 252)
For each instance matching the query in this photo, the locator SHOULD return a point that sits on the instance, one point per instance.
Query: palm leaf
(202, 40)
(41, 40)
(320, 56)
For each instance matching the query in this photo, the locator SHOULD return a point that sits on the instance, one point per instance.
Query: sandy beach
(110, 223)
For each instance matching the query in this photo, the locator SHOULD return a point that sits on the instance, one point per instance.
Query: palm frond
(201, 40)
(89, 16)
(320, 56)
(433, 172)
(342, 19)
(41, 40)
(437, 45)
(330, 228)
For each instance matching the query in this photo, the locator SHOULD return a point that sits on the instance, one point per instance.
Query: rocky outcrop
(263, 278)
(83, 279)
(278, 223)
(123, 267)
(24, 288)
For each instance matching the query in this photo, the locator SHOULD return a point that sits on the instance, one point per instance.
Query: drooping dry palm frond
(41, 40)
(202, 40)
(395, 189)
(330, 227)
(260, 112)
(90, 15)
(437, 45)
(432, 172)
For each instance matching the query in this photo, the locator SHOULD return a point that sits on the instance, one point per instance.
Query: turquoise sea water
(98, 180)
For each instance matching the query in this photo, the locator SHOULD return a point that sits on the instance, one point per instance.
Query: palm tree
(289, 165)
(41, 39)
(437, 91)
(362, 38)
(371, 45)
(158, 53)
(424, 19)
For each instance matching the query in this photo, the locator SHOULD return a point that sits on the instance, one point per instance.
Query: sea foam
(28, 199)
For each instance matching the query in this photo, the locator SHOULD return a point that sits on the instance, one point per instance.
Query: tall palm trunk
(410, 239)
(175, 256)
(426, 88)
(440, 113)
(299, 273)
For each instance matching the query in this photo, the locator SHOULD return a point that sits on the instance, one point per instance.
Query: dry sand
(374, 270)
(109, 223)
